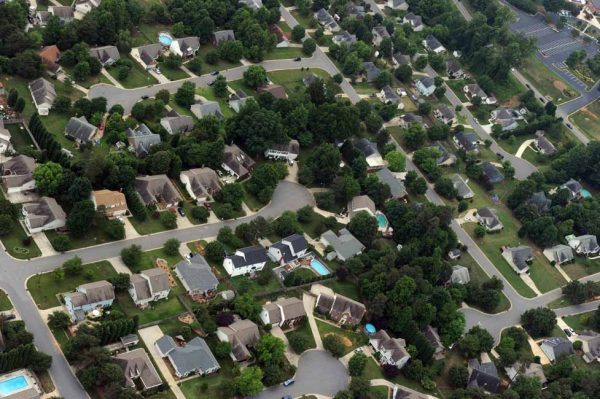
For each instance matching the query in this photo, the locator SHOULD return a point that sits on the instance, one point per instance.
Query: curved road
(14, 274)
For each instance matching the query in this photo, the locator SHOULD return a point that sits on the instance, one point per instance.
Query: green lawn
(90, 80)
(457, 87)
(251, 286)
(372, 370)
(352, 339)
(365, 88)
(219, 66)
(19, 137)
(546, 81)
(5, 303)
(149, 257)
(315, 227)
(13, 242)
(581, 268)
(302, 20)
(172, 73)
(192, 387)
(580, 322)
(345, 288)
(93, 236)
(61, 336)
(137, 76)
(379, 392)
(588, 120)
(505, 90)
(305, 329)
(148, 33)
(45, 287)
(171, 327)
(253, 203)
(159, 310)
(148, 226)
(291, 80)
(284, 53)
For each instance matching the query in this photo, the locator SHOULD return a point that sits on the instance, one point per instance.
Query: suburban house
(397, 4)
(543, 145)
(391, 351)
(540, 201)
(361, 203)
(238, 100)
(111, 203)
(369, 150)
(64, 13)
(150, 285)
(415, 21)
(284, 313)
(50, 56)
(396, 186)
(276, 90)
(591, 345)
(460, 275)
(206, 108)
(325, 19)
(466, 141)
(344, 244)
(454, 69)
(157, 189)
(309, 79)
(446, 158)
(344, 37)
(43, 94)
(80, 130)
(17, 174)
(176, 124)
(241, 334)
(138, 369)
(400, 59)
(196, 276)
(432, 335)
(371, 72)
(575, 189)
(253, 4)
(408, 119)
(185, 47)
(387, 95)
(283, 38)
(586, 244)
(445, 114)
(431, 43)
(141, 139)
(425, 85)
(518, 258)
(559, 254)
(147, 55)
(187, 358)
(236, 162)
(45, 214)
(355, 11)
(88, 298)
(107, 55)
(483, 375)
(245, 260)
(340, 309)
(488, 219)
(84, 6)
(288, 249)
(5, 139)
(379, 33)
(491, 173)
(461, 186)
(473, 90)
(202, 184)
(284, 152)
(555, 347)
(505, 117)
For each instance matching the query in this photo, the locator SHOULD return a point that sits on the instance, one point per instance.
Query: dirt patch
(512, 102)
(589, 114)
(345, 340)
(560, 85)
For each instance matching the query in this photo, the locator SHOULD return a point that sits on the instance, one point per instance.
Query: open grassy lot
(284, 53)
(148, 226)
(546, 81)
(345, 288)
(291, 80)
(219, 66)
(45, 287)
(302, 20)
(504, 91)
(172, 73)
(588, 120)
(5, 303)
(93, 236)
(351, 339)
(159, 310)
(19, 137)
(149, 258)
(579, 322)
(137, 76)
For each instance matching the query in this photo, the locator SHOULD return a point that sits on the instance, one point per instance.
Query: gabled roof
(396, 186)
(17, 171)
(309, 78)
(427, 82)
(142, 139)
(105, 54)
(460, 275)
(114, 200)
(150, 52)
(237, 160)
(223, 36)
(196, 274)
(559, 253)
(452, 66)
(381, 31)
(396, 346)
(540, 201)
(466, 140)
(573, 186)
(491, 172)
(489, 217)
(520, 256)
(361, 202)
(557, 346)
(137, 365)
(62, 12)
(276, 90)
(42, 91)
(461, 186)
(411, 118)
(203, 181)
(292, 147)
(401, 59)
(366, 147)
(178, 124)
(80, 129)
(90, 293)
(371, 71)
(344, 243)
(195, 355)
(156, 188)
(483, 375)
(248, 256)
(414, 20)
(446, 112)
(44, 211)
(475, 90)
(545, 146)
(345, 37)
(150, 281)
(206, 108)
(432, 42)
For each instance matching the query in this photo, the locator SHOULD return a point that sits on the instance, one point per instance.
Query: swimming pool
(319, 267)
(585, 193)
(382, 221)
(12, 385)
(165, 39)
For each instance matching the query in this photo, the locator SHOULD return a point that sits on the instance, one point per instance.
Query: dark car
(287, 397)
(215, 73)
(569, 126)
(297, 59)
(566, 330)
(145, 97)
(542, 99)
(500, 155)
(288, 382)
(181, 211)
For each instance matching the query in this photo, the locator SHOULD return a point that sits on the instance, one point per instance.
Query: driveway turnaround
(318, 373)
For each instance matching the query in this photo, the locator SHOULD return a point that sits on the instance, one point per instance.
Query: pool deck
(296, 264)
(31, 383)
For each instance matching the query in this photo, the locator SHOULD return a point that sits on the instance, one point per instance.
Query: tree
(479, 231)
(6, 225)
(121, 281)
(168, 219)
(575, 291)
(270, 350)
(132, 256)
(415, 137)
(172, 61)
(115, 229)
(171, 246)
(383, 79)
(364, 227)
(309, 46)
(527, 387)
(48, 178)
(185, 94)
(62, 104)
(298, 33)
(334, 345)
(215, 251)
(73, 266)
(475, 341)
(357, 364)
(458, 376)
(212, 57)
(231, 51)
(58, 320)
(200, 214)
(396, 161)
(163, 95)
(220, 87)
(445, 187)
(247, 307)
(249, 382)
(539, 322)
(61, 243)
(81, 217)
(345, 187)
(81, 71)
(195, 64)
(299, 341)
(255, 76)
(222, 350)
(13, 96)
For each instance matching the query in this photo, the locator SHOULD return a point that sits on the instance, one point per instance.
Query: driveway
(318, 373)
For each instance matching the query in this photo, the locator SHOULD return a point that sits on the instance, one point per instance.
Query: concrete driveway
(318, 373)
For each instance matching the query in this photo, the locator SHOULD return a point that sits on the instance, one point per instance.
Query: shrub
(168, 219)
(333, 344)
(299, 342)
(200, 214)
(61, 243)
(115, 229)
(171, 246)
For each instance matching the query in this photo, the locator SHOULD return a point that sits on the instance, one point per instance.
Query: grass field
(588, 120)
(547, 82)
(579, 322)
(284, 53)
(149, 257)
(160, 310)
(219, 66)
(5, 303)
(45, 287)
(137, 76)
(291, 80)
(345, 288)
(148, 226)
(19, 137)
(172, 73)
(352, 340)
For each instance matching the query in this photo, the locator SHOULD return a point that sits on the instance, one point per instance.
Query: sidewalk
(119, 266)
(309, 305)
(525, 277)
(111, 78)
(130, 231)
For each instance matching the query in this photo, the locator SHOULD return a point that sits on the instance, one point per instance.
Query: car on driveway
(566, 330)
(288, 382)
(181, 211)
(214, 73)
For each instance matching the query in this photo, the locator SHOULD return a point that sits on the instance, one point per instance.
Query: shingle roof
(366, 147)
(98, 291)
(80, 129)
(484, 376)
(344, 243)
(223, 35)
(157, 188)
(432, 42)
(142, 139)
(491, 172)
(520, 256)
(397, 188)
(460, 275)
(371, 71)
(203, 181)
(540, 201)
(17, 171)
(195, 355)
(468, 141)
(136, 364)
(206, 108)
(196, 275)
(248, 256)
(42, 91)
(237, 160)
(178, 124)
(106, 54)
(44, 211)
(361, 202)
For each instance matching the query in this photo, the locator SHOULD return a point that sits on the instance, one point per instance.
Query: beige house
(111, 203)
(150, 285)
(17, 174)
(201, 183)
(45, 214)
(241, 334)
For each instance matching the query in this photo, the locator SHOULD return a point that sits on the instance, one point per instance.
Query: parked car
(288, 382)
(145, 97)
(297, 59)
(566, 330)
(181, 211)
(215, 73)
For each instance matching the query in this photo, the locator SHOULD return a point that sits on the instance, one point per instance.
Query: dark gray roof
(401, 59)
(447, 112)
(344, 243)
(414, 20)
(560, 253)
(411, 118)
(248, 256)
(461, 186)
(156, 188)
(452, 66)
(178, 124)
(237, 160)
(80, 129)
(142, 139)
(573, 186)
(540, 201)
(223, 36)
(106, 54)
(397, 188)
(42, 91)
(466, 140)
(345, 37)
(545, 146)
(366, 147)
(371, 71)
(489, 217)
(484, 376)
(559, 346)
(381, 31)
(194, 356)
(492, 173)
(150, 52)
(427, 81)
(432, 42)
(297, 241)
(196, 275)
(440, 147)
(206, 108)
(520, 256)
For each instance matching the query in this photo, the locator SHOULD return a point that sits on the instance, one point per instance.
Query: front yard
(137, 76)
(93, 236)
(588, 120)
(291, 80)
(350, 338)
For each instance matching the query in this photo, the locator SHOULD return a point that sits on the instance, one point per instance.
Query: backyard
(194, 387)
(159, 310)
(350, 339)
(20, 138)
(45, 287)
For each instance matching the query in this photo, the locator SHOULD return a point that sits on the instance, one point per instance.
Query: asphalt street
(318, 373)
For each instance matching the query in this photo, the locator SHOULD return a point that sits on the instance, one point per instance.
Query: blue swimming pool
(585, 193)
(319, 267)
(12, 385)
(165, 39)
(382, 221)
